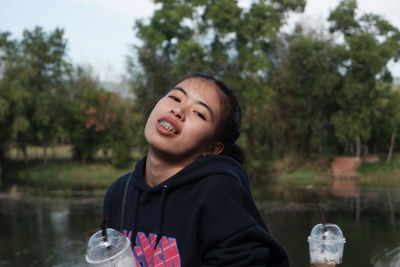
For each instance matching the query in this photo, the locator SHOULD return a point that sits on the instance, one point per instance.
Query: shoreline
(305, 200)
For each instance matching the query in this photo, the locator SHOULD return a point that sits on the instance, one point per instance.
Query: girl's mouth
(166, 125)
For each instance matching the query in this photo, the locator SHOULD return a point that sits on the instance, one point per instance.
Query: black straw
(104, 225)
(321, 215)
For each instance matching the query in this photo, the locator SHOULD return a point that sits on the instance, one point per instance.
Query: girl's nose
(178, 113)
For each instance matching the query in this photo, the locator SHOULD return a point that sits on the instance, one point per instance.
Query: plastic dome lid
(326, 232)
(98, 249)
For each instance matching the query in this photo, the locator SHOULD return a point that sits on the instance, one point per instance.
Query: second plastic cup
(326, 243)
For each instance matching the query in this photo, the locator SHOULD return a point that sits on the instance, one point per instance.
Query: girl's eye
(199, 115)
(174, 98)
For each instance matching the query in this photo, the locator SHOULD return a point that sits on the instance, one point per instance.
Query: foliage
(370, 42)
(218, 37)
(44, 100)
(304, 94)
(85, 125)
(305, 83)
(32, 74)
(98, 119)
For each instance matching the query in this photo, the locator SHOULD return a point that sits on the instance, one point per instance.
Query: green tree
(393, 117)
(45, 69)
(84, 130)
(33, 76)
(217, 37)
(370, 42)
(123, 134)
(8, 53)
(13, 95)
(97, 119)
(387, 121)
(305, 82)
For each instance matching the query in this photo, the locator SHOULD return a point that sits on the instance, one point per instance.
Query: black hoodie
(204, 215)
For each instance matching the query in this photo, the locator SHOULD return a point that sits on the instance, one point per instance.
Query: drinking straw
(104, 225)
(322, 218)
(321, 215)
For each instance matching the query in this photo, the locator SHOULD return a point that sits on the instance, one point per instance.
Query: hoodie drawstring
(124, 197)
(161, 214)
(135, 205)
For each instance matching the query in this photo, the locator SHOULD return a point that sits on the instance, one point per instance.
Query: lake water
(54, 232)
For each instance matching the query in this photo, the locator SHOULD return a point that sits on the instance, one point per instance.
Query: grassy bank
(378, 174)
(304, 176)
(67, 175)
(58, 172)
(381, 174)
(61, 173)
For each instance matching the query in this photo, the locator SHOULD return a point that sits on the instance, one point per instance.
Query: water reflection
(345, 187)
(387, 258)
(369, 220)
(43, 232)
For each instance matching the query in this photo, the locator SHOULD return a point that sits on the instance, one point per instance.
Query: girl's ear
(216, 148)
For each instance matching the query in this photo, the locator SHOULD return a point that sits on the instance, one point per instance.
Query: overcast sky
(100, 32)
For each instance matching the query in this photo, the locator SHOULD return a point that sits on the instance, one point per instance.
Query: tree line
(312, 92)
(45, 100)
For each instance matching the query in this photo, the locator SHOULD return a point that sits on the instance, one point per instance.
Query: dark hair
(229, 127)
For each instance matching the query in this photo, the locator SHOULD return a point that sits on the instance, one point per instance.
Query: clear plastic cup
(326, 243)
(115, 252)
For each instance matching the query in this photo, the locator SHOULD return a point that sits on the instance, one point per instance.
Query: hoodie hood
(197, 170)
(200, 169)
(202, 215)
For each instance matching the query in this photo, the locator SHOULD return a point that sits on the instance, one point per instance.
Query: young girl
(188, 202)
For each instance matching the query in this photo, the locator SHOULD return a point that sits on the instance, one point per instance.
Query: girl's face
(182, 125)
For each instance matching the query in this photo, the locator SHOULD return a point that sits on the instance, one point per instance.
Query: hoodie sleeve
(232, 232)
